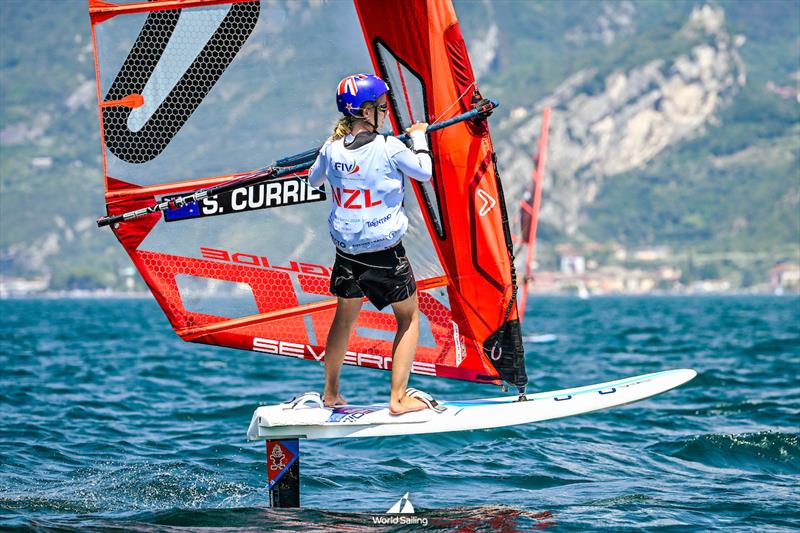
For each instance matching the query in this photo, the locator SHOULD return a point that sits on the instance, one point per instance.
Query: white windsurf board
(289, 420)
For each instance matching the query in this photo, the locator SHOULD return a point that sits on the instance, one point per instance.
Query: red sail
(194, 92)
(417, 46)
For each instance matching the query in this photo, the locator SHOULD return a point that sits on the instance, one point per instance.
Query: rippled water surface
(110, 421)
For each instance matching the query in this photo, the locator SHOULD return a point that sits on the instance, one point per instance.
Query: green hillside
(735, 189)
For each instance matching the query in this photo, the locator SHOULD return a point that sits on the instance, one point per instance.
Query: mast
(537, 178)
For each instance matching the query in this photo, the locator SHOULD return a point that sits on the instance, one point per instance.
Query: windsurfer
(365, 172)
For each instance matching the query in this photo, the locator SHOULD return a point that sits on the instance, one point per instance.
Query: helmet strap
(373, 120)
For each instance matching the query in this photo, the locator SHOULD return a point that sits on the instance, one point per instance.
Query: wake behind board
(300, 420)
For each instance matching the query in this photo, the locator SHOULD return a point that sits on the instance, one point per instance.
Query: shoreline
(120, 295)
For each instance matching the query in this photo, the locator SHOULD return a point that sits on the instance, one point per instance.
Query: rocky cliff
(632, 117)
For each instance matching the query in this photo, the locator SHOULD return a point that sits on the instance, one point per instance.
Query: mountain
(674, 124)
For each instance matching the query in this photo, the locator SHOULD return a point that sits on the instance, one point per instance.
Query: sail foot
(504, 349)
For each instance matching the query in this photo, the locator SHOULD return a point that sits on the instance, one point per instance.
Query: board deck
(313, 422)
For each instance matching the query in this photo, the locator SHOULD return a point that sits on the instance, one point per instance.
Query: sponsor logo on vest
(378, 222)
(347, 168)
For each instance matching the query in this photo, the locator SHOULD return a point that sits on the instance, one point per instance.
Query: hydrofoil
(305, 417)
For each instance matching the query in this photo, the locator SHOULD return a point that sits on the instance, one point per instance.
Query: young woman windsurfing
(365, 172)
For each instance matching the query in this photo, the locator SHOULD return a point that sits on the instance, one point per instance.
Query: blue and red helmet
(358, 89)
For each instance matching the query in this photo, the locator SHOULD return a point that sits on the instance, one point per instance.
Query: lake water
(110, 421)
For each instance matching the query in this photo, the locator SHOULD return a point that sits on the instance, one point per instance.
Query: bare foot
(334, 401)
(407, 404)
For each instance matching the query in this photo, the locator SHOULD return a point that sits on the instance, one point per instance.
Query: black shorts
(384, 277)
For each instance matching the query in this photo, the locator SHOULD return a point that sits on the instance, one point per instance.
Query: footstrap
(303, 399)
(425, 398)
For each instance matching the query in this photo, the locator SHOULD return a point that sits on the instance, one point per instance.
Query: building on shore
(17, 287)
(784, 277)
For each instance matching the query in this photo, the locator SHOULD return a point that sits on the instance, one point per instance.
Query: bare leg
(405, 346)
(344, 321)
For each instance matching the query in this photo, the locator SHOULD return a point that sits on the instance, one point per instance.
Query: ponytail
(343, 127)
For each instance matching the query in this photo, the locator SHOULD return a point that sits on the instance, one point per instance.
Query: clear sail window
(407, 98)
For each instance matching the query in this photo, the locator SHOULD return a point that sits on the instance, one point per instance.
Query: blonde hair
(345, 124)
(343, 127)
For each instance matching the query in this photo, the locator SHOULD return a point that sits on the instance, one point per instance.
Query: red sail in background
(529, 212)
(250, 269)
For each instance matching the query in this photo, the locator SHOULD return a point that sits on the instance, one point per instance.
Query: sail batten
(194, 333)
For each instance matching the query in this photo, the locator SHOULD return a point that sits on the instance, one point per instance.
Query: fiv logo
(347, 168)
